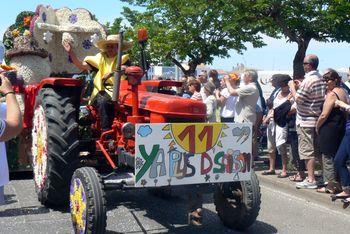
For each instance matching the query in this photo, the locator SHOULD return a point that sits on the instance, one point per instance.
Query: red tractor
(157, 141)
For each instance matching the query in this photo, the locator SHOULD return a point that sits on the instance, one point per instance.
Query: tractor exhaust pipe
(118, 73)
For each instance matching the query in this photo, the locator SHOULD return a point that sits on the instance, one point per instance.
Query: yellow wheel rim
(78, 205)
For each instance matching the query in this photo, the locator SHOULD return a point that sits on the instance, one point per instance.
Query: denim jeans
(343, 154)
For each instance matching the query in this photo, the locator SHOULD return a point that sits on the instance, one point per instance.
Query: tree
(300, 22)
(196, 30)
(115, 27)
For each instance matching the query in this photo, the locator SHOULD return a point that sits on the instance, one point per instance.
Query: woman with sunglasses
(330, 128)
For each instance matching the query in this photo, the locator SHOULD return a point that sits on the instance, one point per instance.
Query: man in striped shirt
(309, 100)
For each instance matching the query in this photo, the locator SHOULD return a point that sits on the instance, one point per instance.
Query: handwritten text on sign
(192, 153)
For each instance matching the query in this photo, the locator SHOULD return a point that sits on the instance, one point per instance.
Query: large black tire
(55, 144)
(87, 201)
(238, 203)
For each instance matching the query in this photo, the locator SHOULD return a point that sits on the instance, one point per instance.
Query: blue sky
(277, 55)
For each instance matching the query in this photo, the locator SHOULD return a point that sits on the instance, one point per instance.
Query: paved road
(139, 212)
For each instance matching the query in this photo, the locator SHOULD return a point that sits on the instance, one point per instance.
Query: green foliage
(300, 22)
(115, 27)
(196, 30)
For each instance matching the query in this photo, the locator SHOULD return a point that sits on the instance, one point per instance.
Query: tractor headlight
(128, 130)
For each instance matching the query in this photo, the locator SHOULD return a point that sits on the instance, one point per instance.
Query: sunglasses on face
(328, 79)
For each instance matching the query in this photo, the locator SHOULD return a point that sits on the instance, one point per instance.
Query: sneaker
(306, 185)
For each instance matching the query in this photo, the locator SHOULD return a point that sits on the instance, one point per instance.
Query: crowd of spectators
(307, 115)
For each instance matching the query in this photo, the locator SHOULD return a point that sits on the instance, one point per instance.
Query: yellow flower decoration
(26, 33)
(26, 20)
(78, 206)
(15, 32)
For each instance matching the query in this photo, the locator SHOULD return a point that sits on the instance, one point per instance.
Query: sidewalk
(287, 186)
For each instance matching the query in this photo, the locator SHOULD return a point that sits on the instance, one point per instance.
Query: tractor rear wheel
(238, 203)
(87, 201)
(54, 144)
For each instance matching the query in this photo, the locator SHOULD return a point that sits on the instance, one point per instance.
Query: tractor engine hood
(162, 103)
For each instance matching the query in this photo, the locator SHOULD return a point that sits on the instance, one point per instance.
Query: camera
(13, 78)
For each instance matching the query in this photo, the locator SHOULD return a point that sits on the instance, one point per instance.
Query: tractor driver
(105, 62)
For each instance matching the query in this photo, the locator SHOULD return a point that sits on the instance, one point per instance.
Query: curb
(309, 195)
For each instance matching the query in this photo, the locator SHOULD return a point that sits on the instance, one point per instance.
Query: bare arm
(13, 122)
(83, 66)
(210, 107)
(327, 108)
(293, 85)
(232, 90)
(220, 98)
(343, 105)
(267, 118)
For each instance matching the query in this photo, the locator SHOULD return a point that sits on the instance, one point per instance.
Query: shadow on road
(171, 213)
(29, 210)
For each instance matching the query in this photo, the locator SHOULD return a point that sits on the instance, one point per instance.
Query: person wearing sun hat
(105, 62)
(226, 101)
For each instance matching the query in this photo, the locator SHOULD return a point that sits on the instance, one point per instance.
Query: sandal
(282, 176)
(296, 178)
(325, 190)
(335, 197)
(346, 203)
(268, 173)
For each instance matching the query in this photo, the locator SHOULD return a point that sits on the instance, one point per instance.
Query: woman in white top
(226, 100)
(280, 133)
(210, 102)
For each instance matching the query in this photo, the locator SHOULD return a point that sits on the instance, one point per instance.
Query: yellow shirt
(104, 65)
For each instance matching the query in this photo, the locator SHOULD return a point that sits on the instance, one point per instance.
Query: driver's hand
(67, 46)
(107, 76)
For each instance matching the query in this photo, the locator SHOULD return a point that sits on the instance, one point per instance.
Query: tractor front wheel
(87, 201)
(238, 203)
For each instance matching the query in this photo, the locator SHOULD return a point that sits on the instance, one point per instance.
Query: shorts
(282, 150)
(307, 143)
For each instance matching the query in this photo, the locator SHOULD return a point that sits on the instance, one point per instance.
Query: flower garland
(19, 28)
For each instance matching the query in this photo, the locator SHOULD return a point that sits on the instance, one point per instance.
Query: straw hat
(113, 39)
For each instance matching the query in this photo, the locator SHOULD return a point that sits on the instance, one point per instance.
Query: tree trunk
(298, 69)
(192, 67)
(191, 64)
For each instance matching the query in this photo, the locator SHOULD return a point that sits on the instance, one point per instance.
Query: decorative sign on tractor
(191, 153)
